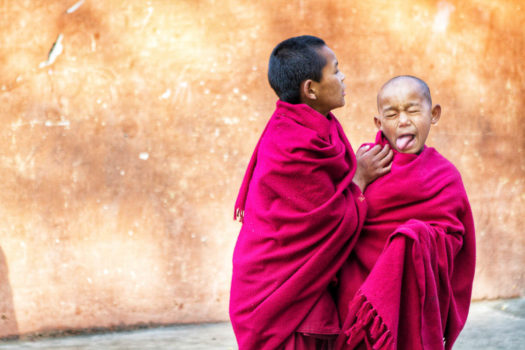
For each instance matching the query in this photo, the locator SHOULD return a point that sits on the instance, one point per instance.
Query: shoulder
(441, 161)
(453, 187)
(285, 134)
(443, 168)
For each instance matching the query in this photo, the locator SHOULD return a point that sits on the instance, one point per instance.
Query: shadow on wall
(8, 324)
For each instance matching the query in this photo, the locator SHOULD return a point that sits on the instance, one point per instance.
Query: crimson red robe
(408, 281)
(301, 213)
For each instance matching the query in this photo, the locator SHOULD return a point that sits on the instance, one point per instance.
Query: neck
(312, 105)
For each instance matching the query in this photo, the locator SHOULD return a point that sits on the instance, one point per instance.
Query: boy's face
(329, 93)
(405, 115)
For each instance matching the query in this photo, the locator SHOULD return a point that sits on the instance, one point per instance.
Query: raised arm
(371, 164)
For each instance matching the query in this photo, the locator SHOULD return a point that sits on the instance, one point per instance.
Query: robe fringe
(238, 215)
(369, 326)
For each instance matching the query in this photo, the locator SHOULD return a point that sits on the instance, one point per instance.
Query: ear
(308, 89)
(436, 114)
(377, 121)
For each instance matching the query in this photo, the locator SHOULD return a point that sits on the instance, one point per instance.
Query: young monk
(408, 281)
(301, 204)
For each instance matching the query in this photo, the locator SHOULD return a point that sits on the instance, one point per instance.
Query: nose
(403, 119)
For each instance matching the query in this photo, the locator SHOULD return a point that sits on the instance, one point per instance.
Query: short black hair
(293, 61)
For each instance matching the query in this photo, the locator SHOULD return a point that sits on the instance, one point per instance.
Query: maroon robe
(301, 214)
(408, 281)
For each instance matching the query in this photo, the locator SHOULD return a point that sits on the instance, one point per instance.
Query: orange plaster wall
(120, 161)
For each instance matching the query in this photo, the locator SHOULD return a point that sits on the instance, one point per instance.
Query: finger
(383, 152)
(362, 150)
(374, 150)
(387, 159)
(386, 169)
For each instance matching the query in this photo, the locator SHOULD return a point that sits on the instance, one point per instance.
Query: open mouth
(405, 141)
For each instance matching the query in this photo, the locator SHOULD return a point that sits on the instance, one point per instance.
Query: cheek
(424, 129)
(336, 85)
(388, 127)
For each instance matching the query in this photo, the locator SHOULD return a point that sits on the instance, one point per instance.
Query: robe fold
(301, 214)
(407, 283)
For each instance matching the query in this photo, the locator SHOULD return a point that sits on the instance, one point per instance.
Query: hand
(371, 164)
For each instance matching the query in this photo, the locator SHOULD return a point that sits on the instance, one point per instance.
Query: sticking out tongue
(403, 141)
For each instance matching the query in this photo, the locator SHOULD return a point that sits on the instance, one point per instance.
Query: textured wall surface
(123, 147)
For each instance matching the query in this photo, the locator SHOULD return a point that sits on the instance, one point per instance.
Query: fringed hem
(238, 215)
(368, 327)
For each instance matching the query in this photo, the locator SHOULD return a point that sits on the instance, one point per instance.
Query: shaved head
(425, 91)
(406, 113)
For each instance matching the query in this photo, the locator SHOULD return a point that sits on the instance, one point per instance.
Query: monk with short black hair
(301, 204)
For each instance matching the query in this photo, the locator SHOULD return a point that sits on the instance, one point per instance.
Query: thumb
(363, 149)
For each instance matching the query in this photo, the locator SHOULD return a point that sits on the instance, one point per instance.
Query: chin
(413, 151)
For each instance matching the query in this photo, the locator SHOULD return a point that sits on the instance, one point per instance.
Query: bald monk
(407, 283)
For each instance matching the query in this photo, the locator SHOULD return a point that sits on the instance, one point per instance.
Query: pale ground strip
(491, 325)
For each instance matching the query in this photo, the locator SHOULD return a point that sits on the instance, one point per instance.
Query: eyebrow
(408, 105)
